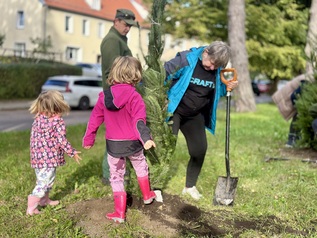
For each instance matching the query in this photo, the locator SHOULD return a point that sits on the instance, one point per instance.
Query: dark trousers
(292, 129)
(193, 129)
(314, 126)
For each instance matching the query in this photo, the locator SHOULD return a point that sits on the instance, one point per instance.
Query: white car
(79, 91)
(90, 69)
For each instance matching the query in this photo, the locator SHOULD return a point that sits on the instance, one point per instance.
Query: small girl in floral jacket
(48, 143)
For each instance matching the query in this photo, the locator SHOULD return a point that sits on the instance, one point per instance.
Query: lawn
(279, 195)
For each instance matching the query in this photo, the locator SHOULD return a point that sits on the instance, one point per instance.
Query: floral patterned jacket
(48, 142)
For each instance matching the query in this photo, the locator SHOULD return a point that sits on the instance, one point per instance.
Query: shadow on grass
(220, 223)
(80, 176)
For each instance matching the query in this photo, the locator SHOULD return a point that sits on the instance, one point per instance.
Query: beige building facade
(75, 31)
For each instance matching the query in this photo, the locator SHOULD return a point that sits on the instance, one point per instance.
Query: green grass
(283, 189)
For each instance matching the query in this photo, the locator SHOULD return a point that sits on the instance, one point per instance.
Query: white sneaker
(193, 192)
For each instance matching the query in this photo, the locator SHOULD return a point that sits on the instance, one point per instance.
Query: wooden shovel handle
(226, 81)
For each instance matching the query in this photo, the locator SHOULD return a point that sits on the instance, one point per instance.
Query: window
(20, 19)
(56, 83)
(90, 83)
(19, 49)
(85, 27)
(72, 53)
(101, 28)
(94, 4)
(69, 24)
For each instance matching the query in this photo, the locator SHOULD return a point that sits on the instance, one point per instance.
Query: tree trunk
(311, 35)
(243, 94)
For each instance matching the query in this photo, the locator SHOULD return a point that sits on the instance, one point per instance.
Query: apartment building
(75, 28)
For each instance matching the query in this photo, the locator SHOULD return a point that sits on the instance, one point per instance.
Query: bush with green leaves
(307, 113)
(25, 79)
(306, 104)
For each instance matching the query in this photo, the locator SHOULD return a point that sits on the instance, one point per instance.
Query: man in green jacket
(114, 44)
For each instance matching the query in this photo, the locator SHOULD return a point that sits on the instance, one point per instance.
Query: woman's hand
(233, 84)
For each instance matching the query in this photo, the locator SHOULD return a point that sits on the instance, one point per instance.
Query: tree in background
(204, 20)
(244, 96)
(311, 35)
(2, 38)
(275, 35)
(276, 38)
(42, 47)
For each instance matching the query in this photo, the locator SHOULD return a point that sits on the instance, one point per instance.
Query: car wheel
(84, 103)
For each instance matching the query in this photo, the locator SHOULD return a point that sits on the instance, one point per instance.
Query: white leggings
(45, 178)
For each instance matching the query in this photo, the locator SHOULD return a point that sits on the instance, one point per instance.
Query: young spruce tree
(154, 92)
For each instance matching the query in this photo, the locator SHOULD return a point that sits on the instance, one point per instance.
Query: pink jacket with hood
(123, 111)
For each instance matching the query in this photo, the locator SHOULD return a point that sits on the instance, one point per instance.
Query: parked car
(90, 69)
(264, 86)
(79, 91)
(255, 88)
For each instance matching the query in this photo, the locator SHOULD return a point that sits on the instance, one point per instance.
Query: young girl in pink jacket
(123, 111)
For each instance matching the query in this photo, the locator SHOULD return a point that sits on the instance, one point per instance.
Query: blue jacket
(180, 70)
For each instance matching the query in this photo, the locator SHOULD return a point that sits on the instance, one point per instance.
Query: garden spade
(226, 186)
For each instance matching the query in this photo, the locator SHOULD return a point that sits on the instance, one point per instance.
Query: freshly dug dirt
(176, 218)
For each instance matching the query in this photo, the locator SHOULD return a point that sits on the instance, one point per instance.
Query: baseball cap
(126, 15)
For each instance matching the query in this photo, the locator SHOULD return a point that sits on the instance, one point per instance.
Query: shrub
(305, 116)
(24, 80)
(306, 105)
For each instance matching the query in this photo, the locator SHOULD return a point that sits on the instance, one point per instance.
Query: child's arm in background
(149, 144)
(95, 120)
(64, 143)
(77, 158)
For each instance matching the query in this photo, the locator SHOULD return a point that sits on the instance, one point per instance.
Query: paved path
(14, 104)
(24, 104)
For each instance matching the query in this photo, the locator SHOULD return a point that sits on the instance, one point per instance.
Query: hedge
(24, 80)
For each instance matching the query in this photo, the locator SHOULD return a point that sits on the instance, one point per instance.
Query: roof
(107, 10)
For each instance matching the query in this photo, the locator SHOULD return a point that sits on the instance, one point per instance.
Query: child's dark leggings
(193, 129)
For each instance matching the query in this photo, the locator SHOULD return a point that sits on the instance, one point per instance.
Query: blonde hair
(49, 103)
(219, 52)
(125, 69)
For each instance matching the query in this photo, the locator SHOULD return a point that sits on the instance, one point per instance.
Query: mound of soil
(173, 218)
(176, 218)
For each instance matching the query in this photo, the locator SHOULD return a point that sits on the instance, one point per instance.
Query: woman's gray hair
(219, 52)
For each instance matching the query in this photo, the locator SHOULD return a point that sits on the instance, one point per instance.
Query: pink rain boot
(120, 202)
(33, 202)
(46, 201)
(148, 195)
